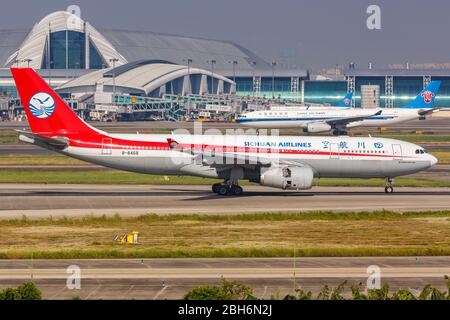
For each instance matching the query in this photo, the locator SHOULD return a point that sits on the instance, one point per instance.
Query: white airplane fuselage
(302, 117)
(326, 156)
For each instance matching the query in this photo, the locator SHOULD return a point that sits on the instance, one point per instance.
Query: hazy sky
(310, 33)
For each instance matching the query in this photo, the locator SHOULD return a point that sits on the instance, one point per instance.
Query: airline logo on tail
(47, 113)
(42, 105)
(347, 101)
(428, 96)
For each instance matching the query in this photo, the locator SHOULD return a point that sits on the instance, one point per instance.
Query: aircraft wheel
(222, 190)
(215, 187)
(389, 189)
(237, 190)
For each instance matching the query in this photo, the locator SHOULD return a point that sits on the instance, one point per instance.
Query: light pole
(273, 79)
(253, 63)
(213, 62)
(27, 61)
(50, 74)
(77, 66)
(234, 62)
(189, 61)
(114, 60)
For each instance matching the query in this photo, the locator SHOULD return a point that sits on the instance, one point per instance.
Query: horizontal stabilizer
(425, 112)
(59, 143)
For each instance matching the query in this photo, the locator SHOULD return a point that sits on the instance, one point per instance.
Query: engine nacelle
(317, 127)
(288, 178)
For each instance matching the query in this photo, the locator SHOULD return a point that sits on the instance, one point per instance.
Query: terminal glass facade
(95, 59)
(282, 87)
(67, 50)
(8, 91)
(405, 89)
(244, 85)
(325, 92)
(443, 98)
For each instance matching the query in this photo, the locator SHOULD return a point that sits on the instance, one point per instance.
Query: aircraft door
(106, 146)
(397, 152)
(334, 151)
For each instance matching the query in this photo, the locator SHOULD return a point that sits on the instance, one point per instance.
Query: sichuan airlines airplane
(280, 162)
(339, 120)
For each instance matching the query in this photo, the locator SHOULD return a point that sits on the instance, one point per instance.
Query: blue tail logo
(428, 96)
(426, 99)
(347, 101)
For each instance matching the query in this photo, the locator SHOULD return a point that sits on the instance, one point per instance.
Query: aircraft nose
(433, 160)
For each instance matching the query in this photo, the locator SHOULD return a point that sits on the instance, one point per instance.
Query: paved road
(438, 172)
(40, 200)
(23, 149)
(172, 278)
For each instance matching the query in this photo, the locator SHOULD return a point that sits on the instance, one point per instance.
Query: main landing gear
(340, 132)
(389, 188)
(224, 189)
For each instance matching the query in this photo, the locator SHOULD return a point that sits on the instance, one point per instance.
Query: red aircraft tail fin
(46, 111)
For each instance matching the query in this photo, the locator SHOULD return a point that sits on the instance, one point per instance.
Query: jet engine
(288, 178)
(317, 127)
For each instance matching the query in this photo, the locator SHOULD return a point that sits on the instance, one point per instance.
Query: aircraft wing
(59, 143)
(216, 159)
(424, 112)
(346, 120)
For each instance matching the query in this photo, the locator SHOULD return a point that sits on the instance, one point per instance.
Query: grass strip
(273, 234)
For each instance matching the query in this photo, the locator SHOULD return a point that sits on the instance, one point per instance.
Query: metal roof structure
(139, 78)
(20, 44)
(34, 46)
(136, 45)
(397, 72)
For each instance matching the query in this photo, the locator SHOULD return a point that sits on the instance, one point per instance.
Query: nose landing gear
(224, 189)
(389, 188)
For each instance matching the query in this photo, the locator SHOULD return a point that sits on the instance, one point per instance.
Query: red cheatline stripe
(114, 143)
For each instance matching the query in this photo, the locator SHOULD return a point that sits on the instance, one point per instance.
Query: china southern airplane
(280, 162)
(338, 120)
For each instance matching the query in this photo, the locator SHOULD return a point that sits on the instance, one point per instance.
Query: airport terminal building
(137, 71)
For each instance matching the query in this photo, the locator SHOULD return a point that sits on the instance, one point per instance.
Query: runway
(41, 201)
(172, 278)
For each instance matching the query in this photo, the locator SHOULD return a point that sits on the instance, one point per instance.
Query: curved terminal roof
(136, 45)
(143, 77)
(33, 46)
(130, 46)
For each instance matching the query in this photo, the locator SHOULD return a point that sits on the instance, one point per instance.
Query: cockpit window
(420, 151)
